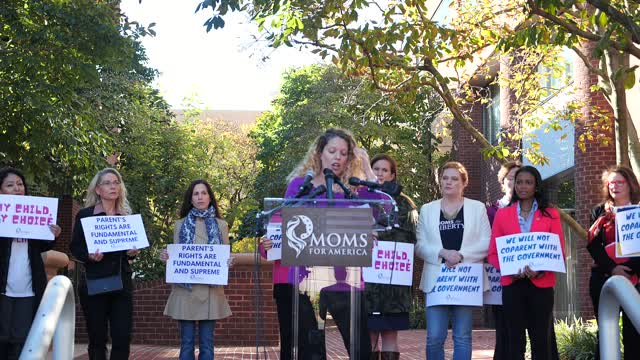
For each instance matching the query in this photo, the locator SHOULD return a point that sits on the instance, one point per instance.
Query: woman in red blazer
(527, 298)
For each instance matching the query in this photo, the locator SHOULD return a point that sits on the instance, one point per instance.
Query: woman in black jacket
(22, 276)
(106, 196)
(619, 188)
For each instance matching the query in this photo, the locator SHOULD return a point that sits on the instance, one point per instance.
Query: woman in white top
(450, 231)
(22, 276)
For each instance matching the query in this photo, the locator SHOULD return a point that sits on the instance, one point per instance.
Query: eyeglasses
(617, 183)
(109, 183)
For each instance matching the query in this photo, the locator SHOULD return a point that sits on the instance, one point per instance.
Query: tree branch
(616, 15)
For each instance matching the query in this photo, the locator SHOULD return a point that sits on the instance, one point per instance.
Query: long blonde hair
(122, 204)
(312, 160)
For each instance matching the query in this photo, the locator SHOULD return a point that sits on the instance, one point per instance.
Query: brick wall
(467, 151)
(150, 326)
(588, 170)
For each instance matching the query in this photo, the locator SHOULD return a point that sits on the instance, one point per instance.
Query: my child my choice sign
(541, 251)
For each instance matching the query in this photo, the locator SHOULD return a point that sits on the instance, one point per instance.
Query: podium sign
(327, 236)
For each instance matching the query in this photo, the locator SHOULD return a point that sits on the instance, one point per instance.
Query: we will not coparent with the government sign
(541, 251)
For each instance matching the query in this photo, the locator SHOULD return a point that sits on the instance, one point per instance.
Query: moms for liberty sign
(541, 251)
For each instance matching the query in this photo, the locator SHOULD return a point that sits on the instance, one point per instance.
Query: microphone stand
(391, 218)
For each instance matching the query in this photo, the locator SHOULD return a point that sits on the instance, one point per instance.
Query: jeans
(187, 339)
(437, 327)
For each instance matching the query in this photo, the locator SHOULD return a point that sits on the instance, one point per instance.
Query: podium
(324, 246)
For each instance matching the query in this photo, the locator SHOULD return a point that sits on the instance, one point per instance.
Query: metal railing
(616, 292)
(55, 319)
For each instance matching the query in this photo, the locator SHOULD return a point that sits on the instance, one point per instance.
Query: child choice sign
(114, 233)
(27, 217)
(391, 263)
(541, 251)
(628, 229)
(198, 264)
(461, 285)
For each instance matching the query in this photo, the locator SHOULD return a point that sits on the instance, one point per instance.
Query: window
(491, 115)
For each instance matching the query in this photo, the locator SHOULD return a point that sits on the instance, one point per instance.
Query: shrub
(577, 340)
(245, 245)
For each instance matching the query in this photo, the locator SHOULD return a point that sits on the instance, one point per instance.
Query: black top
(451, 231)
(108, 266)
(603, 263)
(38, 275)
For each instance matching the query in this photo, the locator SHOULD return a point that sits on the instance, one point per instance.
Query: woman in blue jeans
(450, 231)
(200, 223)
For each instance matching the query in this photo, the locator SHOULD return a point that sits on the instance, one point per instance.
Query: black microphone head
(354, 181)
(328, 172)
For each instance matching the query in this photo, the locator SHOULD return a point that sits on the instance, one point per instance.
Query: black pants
(630, 337)
(310, 340)
(112, 311)
(339, 305)
(16, 316)
(502, 341)
(529, 308)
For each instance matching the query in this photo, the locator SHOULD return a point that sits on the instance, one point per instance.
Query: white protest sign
(391, 263)
(114, 233)
(494, 295)
(198, 264)
(27, 217)
(628, 229)
(461, 285)
(541, 251)
(274, 233)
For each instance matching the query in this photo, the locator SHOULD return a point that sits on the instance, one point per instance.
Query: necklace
(451, 214)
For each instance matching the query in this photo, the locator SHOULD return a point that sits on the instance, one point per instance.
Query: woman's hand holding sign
(96, 257)
(267, 244)
(451, 257)
(164, 255)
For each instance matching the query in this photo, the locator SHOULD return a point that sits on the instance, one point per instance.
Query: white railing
(55, 319)
(616, 292)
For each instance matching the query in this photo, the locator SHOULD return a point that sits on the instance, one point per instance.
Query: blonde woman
(450, 231)
(106, 196)
(336, 150)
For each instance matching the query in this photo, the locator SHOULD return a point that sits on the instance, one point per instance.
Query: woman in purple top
(336, 150)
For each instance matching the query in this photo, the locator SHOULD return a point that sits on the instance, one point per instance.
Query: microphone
(357, 182)
(317, 192)
(328, 178)
(306, 185)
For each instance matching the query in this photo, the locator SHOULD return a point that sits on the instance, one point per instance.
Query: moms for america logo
(327, 236)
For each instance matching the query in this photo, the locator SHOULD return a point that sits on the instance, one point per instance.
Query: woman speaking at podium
(335, 150)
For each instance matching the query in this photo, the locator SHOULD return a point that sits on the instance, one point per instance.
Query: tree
(58, 60)
(316, 97)
(402, 50)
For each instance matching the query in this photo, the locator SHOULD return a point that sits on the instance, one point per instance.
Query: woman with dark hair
(619, 188)
(506, 178)
(22, 275)
(106, 196)
(388, 306)
(336, 150)
(200, 223)
(527, 298)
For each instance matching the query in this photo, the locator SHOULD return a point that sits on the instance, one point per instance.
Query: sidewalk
(412, 344)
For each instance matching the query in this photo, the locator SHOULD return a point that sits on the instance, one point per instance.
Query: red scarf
(606, 222)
